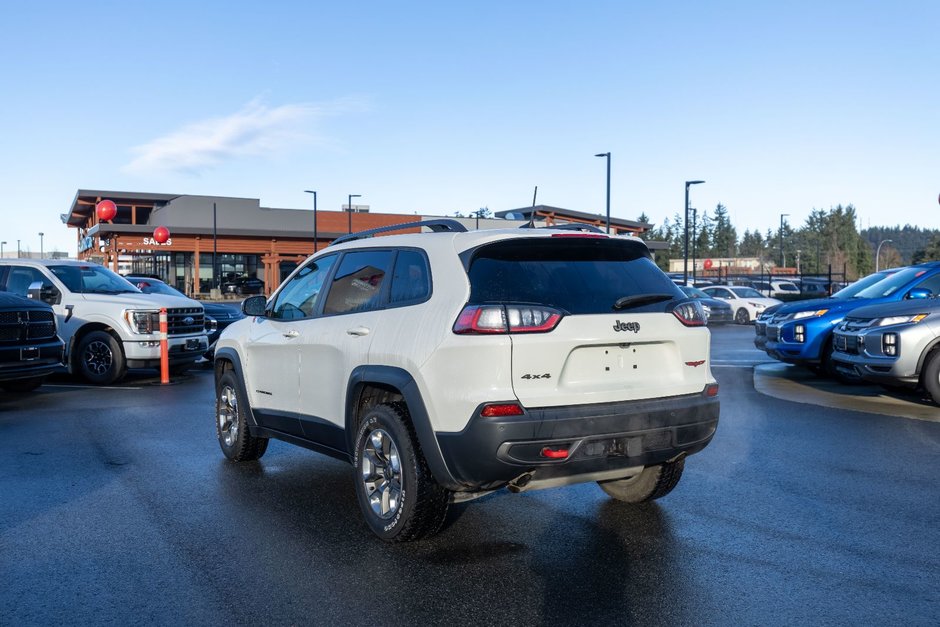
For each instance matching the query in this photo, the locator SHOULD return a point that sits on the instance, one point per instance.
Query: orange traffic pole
(164, 349)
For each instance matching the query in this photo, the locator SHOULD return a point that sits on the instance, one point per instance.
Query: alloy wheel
(98, 357)
(381, 473)
(228, 415)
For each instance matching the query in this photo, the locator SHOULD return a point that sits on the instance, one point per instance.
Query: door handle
(291, 334)
(358, 331)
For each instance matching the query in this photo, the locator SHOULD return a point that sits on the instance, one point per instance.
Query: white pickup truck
(107, 324)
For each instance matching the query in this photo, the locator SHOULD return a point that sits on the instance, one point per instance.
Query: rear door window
(577, 275)
(359, 283)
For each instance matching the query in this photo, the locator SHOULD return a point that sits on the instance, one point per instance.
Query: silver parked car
(896, 345)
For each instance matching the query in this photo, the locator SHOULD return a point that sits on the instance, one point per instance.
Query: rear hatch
(592, 320)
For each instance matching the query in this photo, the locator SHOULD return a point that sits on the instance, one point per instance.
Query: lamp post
(694, 243)
(18, 253)
(685, 248)
(216, 280)
(878, 252)
(607, 154)
(2, 244)
(310, 191)
(349, 209)
(783, 259)
(41, 255)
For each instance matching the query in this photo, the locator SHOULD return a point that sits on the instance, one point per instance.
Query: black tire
(932, 376)
(22, 386)
(652, 483)
(403, 505)
(741, 316)
(100, 358)
(231, 422)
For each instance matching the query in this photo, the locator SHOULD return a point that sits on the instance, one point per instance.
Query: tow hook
(519, 483)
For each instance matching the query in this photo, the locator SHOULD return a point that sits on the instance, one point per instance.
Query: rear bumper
(600, 438)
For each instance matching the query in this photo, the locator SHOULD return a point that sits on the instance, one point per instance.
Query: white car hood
(143, 301)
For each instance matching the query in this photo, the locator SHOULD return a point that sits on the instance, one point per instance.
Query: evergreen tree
(724, 235)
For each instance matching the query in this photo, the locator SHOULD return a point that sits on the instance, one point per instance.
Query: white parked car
(746, 302)
(107, 324)
(776, 288)
(450, 364)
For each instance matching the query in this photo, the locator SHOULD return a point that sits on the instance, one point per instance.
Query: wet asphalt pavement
(116, 506)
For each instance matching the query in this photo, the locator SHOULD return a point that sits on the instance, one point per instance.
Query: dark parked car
(243, 285)
(218, 316)
(30, 349)
(716, 311)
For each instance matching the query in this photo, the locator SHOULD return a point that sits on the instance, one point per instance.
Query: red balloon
(106, 210)
(161, 234)
(708, 264)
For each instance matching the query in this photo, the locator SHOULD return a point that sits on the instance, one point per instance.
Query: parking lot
(119, 507)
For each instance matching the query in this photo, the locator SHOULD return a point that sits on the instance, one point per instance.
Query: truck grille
(18, 326)
(185, 320)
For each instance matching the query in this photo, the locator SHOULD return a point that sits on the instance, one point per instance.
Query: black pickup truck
(30, 349)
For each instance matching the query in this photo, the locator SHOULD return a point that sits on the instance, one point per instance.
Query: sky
(440, 107)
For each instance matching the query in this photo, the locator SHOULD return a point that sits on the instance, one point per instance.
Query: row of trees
(827, 238)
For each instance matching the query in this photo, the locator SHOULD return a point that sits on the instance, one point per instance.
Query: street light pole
(18, 253)
(2, 244)
(41, 254)
(607, 154)
(349, 209)
(694, 242)
(216, 281)
(783, 259)
(310, 191)
(685, 248)
(878, 252)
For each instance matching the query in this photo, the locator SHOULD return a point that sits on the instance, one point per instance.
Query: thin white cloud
(255, 130)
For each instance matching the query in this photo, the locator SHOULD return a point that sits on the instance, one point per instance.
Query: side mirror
(44, 292)
(919, 292)
(254, 306)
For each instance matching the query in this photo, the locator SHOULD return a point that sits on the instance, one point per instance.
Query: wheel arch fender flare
(929, 350)
(225, 356)
(402, 381)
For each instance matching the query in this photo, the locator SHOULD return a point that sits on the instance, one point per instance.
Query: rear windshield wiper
(641, 299)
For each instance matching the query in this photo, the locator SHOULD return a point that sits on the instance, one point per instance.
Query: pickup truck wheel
(932, 376)
(231, 422)
(22, 386)
(741, 316)
(101, 358)
(652, 483)
(397, 494)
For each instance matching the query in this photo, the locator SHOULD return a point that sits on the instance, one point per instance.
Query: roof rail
(569, 226)
(437, 226)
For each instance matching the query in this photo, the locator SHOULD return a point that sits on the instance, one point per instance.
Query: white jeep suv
(447, 364)
(107, 324)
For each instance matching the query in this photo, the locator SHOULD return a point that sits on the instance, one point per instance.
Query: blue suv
(801, 332)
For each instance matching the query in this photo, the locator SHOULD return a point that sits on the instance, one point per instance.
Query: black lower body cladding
(490, 452)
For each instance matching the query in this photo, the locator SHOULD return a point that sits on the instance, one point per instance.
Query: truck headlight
(142, 322)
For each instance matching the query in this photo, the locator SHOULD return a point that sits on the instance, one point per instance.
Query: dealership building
(216, 239)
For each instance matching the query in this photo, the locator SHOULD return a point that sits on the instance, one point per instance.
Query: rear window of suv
(578, 275)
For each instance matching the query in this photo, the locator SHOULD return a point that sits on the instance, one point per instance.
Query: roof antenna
(532, 213)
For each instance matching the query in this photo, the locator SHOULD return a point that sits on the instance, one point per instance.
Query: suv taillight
(690, 313)
(490, 319)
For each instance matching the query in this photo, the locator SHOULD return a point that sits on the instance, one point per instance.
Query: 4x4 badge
(627, 326)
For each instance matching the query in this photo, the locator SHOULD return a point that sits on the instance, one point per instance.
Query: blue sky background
(440, 107)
